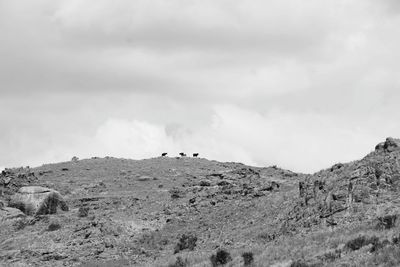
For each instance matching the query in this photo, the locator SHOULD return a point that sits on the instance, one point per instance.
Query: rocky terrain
(196, 212)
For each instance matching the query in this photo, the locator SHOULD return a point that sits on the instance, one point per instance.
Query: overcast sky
(300, 84)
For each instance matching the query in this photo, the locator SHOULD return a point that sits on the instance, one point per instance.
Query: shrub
(83, 211)
(378, 172)
(267, 237)
(396, 240)
(186, 242)
(54, 226)
(220, 258)
(386, 222)
(361, 241)
(248, 258)
(379, 245)
(21, 224)
(153, 241)
(179, 263)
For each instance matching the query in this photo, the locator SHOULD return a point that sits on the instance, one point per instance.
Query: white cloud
(256, 81)
(302, 142)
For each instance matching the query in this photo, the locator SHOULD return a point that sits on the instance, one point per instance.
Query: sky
(298, 84)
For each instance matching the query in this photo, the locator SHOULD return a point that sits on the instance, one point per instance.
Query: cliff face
(166, 211)
(346, 192)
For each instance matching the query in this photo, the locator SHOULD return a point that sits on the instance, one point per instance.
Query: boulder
(37, 200)
(8, 213)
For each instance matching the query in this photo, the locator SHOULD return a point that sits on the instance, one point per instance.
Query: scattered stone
(337, 166)
(45, 172)
(144, 178)
(272, 186)
(224, 183)
(215, 175)
(205, 183)
(176, 193)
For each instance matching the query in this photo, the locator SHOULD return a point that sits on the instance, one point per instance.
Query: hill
(189, 211)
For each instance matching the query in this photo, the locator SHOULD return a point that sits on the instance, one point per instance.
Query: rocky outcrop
(390, 145)
(13, 179)
(37, 200)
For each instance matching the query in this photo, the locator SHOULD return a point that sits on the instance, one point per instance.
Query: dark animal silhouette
(195, 155)
(182, 154)
(163, 154)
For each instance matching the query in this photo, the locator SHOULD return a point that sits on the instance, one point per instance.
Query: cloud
(235, 134)
(254, 81)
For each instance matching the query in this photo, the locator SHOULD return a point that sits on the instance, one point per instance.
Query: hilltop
(180, 211)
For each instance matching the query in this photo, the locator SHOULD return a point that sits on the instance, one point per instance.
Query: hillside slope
(180, 211)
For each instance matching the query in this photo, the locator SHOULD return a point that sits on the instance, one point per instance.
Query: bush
(396, 240)
(267, 237)
(220, 258)
(83, 211)
(379, 245)
(248, 258)
(386, 222)
(179, 263)
(153, 241)
(361, 241)
(21, 224)
(186, 242)
(54, 226)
